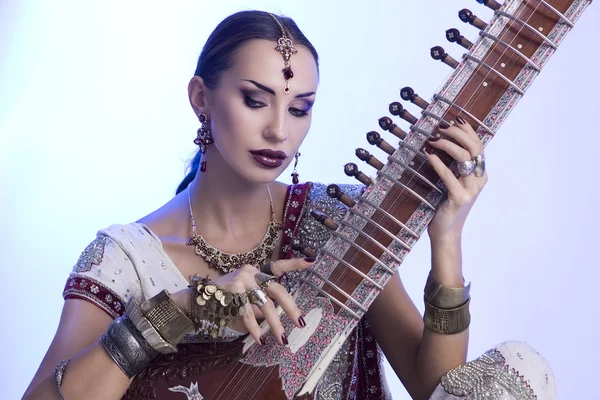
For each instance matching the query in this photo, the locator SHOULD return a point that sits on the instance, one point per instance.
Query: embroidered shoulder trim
(487, 378)
(91, 255)
(93, 291)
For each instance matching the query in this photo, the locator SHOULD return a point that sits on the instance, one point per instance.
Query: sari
(127, 261)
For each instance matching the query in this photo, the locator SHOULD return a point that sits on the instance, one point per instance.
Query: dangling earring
(295, 179)
(203, 138)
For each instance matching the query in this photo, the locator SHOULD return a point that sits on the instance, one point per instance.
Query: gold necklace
(228, 262)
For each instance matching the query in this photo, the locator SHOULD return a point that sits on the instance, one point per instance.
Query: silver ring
(465, 168)
(264, 280)
(257, 296)
(266, 268)
(479, 165)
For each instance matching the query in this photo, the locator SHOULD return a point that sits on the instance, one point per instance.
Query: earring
(203, 138)
(295, 179)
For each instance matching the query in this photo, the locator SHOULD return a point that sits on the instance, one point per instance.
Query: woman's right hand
(242, 280)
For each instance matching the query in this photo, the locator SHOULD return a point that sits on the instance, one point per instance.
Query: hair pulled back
(219, 51)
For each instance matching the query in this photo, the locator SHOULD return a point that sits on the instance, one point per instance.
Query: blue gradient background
(95, 129)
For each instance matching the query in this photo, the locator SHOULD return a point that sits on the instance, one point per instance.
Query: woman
(253, 92)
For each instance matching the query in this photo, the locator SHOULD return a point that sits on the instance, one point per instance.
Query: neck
(228, 204)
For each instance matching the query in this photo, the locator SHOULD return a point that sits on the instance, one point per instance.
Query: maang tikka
(203, 138)
(286, 47)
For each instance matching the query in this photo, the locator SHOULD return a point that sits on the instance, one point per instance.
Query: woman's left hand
(449, 220)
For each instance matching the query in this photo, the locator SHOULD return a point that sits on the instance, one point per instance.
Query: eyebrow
(271, 91)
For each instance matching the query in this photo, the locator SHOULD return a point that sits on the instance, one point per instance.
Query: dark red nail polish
(443, 125)
(310, 259)
(428, 149)
(302, 322)
(263, 341)
(284, 339)
(460, 120)
(435, 137)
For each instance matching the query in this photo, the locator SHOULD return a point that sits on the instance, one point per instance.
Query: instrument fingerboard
(380, 229)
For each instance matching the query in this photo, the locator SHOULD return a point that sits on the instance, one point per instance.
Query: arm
(420, 356)
(91, 373)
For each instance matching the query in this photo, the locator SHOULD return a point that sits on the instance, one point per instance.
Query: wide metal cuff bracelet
(113, 351)
(445, 297)
(123, 344)
(447, 321)
(167, 318)
(155, 340)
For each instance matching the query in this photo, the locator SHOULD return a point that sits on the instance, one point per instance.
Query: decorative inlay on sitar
(381, 227)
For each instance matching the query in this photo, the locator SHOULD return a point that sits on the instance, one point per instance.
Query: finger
(249, 320)
(460, 134)
(443, 172)
(280, 267)
(272, 318)
(454, 150)
(286, 301)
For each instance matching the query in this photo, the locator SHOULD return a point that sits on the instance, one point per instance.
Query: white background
(95, 129)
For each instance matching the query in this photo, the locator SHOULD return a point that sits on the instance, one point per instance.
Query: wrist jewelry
(149, 332)
(215, 307)
(447, 321)
(443, 296)
(164, 315)
(126, 346)
(59, 373)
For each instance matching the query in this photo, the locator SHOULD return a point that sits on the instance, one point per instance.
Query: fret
(330, 297)
(558, 13)
(352, 267)
(375, 242)
(381, 228)
(337, 288)
(409, 190)
(435, 116)
(363, 251)
(415, 173)
(517, 52)
(388, 215)
(529, 27)
(498, 73)
(464, 111)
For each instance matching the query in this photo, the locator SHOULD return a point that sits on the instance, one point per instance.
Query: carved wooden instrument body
(380, 229)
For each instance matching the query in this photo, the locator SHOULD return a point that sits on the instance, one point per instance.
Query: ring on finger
(466, 168)
(257, 296)
(266, 268)
(479, 165)
(263, 280)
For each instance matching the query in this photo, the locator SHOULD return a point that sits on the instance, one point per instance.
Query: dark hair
(219, 50)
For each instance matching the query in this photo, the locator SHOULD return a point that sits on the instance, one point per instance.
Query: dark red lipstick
(268, 158)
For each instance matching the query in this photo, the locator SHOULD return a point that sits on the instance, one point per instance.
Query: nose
(276, 130)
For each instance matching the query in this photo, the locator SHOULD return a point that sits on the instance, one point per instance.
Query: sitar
(381, 227)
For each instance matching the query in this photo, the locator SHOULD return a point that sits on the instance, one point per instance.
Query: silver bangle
(121, 343)
(59, 373)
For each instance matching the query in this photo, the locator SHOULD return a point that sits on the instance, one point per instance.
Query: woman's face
(257, 128)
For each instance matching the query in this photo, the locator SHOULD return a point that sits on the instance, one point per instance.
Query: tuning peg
(324, 219)
(453, 35)
(387, 124)
(375, 139)
(438, 53)
(335, 192)
(298, 245)
(399, 111)
(468, 17)
(494, 5)
(408, 94)
(351, 169)
(367, 157)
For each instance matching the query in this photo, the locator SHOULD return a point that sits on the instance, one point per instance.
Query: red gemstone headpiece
(285, 46)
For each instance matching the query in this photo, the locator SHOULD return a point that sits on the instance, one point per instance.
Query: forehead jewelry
(285, 46)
